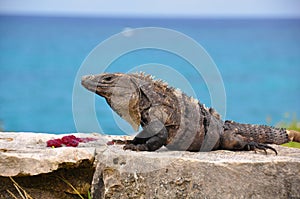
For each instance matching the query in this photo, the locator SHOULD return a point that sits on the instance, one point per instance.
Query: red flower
(68, 140)
(54, 143)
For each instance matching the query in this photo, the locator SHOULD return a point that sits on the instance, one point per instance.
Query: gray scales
(170, 118)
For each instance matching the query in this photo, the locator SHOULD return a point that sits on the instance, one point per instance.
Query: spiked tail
(293, 135)
(261, 133)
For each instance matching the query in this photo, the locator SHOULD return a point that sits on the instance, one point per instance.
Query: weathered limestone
(111, 172)
(27, 154)
(217, 174)
(41, 170)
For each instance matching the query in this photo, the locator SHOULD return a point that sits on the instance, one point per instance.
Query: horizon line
(127, 16)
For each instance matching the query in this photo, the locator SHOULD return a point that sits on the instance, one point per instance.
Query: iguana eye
(107, 79)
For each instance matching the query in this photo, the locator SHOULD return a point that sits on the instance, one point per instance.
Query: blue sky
(154, 8)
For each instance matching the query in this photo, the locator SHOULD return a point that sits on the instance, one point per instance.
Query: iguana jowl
(172, 119)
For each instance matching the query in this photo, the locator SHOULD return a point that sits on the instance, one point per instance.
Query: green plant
(293, 124)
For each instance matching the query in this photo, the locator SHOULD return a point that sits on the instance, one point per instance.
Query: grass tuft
(21, 191)
(70, 185)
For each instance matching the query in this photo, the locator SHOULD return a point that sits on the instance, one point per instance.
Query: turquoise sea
(259, 60)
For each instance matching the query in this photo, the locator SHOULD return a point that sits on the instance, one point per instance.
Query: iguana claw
(252, 146)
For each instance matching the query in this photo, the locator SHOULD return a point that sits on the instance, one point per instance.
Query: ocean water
(258, 59)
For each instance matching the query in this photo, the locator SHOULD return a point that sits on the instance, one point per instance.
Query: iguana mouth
(88, 82)
(98, 84)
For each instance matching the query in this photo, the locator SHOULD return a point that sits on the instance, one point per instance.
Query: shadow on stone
(51, 185)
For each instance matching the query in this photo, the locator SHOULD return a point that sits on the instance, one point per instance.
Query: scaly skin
(172, 119)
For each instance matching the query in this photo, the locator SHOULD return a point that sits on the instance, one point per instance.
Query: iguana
(170, 118)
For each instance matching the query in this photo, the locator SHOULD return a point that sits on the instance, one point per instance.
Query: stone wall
(110, 172)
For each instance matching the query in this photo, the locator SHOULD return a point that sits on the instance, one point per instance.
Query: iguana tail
(238, 136)
(293, 135)
(262, 133)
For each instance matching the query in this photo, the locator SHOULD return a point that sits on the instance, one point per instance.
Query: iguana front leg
(151, 138)
(232, 140)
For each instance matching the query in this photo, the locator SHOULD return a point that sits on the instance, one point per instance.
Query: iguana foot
(129, 145)
(121, 142)
(139, 147)
(253, 146)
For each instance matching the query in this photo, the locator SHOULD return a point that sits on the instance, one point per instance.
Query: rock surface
(110, 172)
(41, 170)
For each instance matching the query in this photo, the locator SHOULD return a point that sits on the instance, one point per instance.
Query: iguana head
(121, 92)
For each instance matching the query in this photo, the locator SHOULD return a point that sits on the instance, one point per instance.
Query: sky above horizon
(154, 8)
